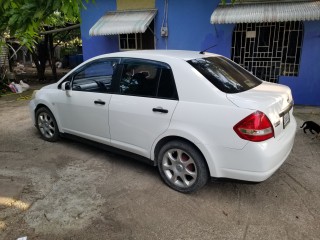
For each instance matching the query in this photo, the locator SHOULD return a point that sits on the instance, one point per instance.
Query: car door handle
(160, 109)
(99, 102)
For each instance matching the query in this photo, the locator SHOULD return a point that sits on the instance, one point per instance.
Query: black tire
(47, 125)
(182, 167)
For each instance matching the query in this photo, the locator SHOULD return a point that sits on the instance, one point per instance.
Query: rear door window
(226, 75)
(147, 78)
(167, 88)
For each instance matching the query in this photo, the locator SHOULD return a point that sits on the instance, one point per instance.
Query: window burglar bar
(131, 41)
(268, 50)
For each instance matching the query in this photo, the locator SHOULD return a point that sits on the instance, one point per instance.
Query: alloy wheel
(179, 168)
(46, 125)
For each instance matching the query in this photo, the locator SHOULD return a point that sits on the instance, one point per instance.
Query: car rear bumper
(256, 161)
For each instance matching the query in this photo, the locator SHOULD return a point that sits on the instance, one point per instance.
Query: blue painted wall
(93, 46)
(306, 87)
(188, 22)
(190, 28)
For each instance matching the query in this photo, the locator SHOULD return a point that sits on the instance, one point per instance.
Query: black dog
(312, 126)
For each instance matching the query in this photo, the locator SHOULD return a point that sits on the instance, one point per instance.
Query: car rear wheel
(47, 125)
(182, 167)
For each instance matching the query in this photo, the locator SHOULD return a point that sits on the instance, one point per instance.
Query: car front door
(144, 106)
(83, 110)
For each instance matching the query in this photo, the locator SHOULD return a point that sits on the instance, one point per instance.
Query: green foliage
(25, 19)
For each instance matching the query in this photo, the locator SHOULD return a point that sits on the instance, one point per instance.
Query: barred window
(268, 50)
(136, 41)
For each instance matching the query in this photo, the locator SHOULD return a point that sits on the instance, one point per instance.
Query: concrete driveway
(68, 190)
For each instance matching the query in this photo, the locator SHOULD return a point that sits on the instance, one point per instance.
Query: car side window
(167, 88)
(139, 79)
(97, 76)
(147, 79)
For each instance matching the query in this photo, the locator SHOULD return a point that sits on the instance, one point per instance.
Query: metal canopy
(121, 22)
(266, 12)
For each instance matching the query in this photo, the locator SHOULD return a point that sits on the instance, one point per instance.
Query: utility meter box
(164, 31)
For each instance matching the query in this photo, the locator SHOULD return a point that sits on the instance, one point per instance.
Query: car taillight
(256, 127)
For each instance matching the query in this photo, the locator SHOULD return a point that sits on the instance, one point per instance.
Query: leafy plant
(26, 19)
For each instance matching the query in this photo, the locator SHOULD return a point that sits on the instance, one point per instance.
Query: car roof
(177, 54)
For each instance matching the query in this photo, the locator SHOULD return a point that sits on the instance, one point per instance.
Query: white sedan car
(194, 115)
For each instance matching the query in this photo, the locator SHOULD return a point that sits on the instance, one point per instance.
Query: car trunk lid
(274, 100)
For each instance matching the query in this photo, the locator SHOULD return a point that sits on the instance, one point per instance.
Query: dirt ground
(68, 190)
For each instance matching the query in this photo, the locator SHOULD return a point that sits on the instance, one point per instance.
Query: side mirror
(66, 86)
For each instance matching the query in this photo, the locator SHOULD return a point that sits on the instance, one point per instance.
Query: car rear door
(83, 110)
(144, 107)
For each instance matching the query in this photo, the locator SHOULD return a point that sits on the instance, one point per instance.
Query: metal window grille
(131, 41)
(268, 50)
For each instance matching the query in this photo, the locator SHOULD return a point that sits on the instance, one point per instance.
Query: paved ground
(68, 190)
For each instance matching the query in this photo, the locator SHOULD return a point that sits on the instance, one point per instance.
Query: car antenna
(202, 52)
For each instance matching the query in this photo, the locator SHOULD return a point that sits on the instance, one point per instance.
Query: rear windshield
(226, 75)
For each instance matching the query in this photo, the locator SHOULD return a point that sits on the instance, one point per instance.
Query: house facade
(278, 41)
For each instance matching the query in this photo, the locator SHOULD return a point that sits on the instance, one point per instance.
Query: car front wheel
(182, 167)
(47, 125)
